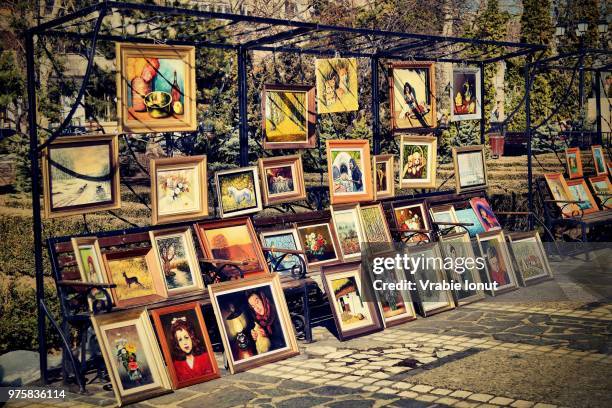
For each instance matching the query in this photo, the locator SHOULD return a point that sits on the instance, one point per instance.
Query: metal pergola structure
(248, 34)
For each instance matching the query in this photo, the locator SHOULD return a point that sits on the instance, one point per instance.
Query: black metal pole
(375, 105)
(598, 106)
(243, 128)
(36, 218)
(529, 142)
(483, 119)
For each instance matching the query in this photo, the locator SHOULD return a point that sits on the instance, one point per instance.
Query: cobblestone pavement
(520, 353)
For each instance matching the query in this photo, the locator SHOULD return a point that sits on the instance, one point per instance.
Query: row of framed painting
(156, 92)
(573, 159)
(574, 196)
(81, 175)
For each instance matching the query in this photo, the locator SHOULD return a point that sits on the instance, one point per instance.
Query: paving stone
(331, 390)
(465, 404)
(461, 394)
(422, 388)
(403, 385)
(380, 376)
(441, 391)
(480, 397)
(387, 390)
(360, 403)
(543, 405)
(446, 401)
(408, 394)
(320, 350)
(299, 402)
(501, 401)
(426, 397)
(383, 383)
(339, 354)
(394, 370)
(367, 380)
(370, 388)
(344, 370)
(228, 397)
(522, 404)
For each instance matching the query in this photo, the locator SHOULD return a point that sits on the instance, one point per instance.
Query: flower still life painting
(319, 244)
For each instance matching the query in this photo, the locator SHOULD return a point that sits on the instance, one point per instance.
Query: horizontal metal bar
(286, 35)
(64, 19)
(508, 56)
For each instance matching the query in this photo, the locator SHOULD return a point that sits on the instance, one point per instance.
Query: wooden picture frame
(274, 239)
(337, 85)
(599, 160)
(282, 173)
(529, 254)
(468, 216)
(459, 245)
(343, 181)
(573, 161)
(238, 187)
(445, 213)
(126, 268)
(344, 285)
(560, 191)
(403, 74)
(305, 108)
(178, 182)
(235, 241)
(413, 217)
(384, 176)
(177, 259)
(375, 228)
(143, 104)
(465, 103)
(66, 160)
(603, 190)
(317, 235)
(413, 173)
(91, 265)
(579, 191)
(347, 226)
(485, 214)
(129, 337)
(426, 304)
(185, 320)
(232, 301)
(498, 272)
(470, 168)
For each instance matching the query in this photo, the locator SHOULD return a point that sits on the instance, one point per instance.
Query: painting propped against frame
(412, 93)
(81, 175)
(288, 116)
(156, 88)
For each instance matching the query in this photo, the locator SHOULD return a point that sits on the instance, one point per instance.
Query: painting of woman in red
(189, 356)
(497, 268)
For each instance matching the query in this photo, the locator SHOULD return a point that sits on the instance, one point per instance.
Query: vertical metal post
(243, 128)
(581, 101)
(529, 142)
(375, 105)
(598, 106)
(36, 218)
(483, 120)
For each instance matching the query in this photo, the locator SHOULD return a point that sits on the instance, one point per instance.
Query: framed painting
(530, 257)
(156, 88)
(498, 264)
(337, 89)
(445, 213)
(282, 179)
(375, 229)
(465, 94)
(412, 218)
(91, 266)
(353, 314)
(574, 162)
(289, 118)
(431, 300)
(137, 276)
(484, 213)
(580, 192)
(179, 189)
(603, 190)
(319, 242)
(349, 171)
(177, 259)
(347, 226)
(133, 359)
(470, 168)
(468, 216)
(560, 192)
(238, 191)
(185, 344)
(599, 161)
(282, 239)
(610, 168)
(418, 160)
(81, 175)
(253, 321)
(458, 247)
(233, 240)
(412, 94)
(384, 176)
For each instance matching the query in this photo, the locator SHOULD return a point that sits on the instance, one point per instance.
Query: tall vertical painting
(413, 95)
(336, 85)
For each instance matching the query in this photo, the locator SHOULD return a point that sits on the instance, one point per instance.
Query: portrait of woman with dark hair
(484, 213)
(267, 332)
(189, 356)
(497, 267)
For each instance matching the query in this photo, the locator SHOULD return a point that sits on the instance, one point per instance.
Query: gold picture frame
(573, 161)
(384, 176)
(529, 255)
(236, 305)
(282, 179)
(337, 85)
(184, 183)
(156, 88)
(375, 228)
(417, 167)
(81, 175)
(470, 168)
(347, 226)
(412, 95)
(349, 171)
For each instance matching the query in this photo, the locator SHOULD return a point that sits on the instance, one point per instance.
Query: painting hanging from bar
(156, 90)
(465, 94)
(336, 85)
(412, 95)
